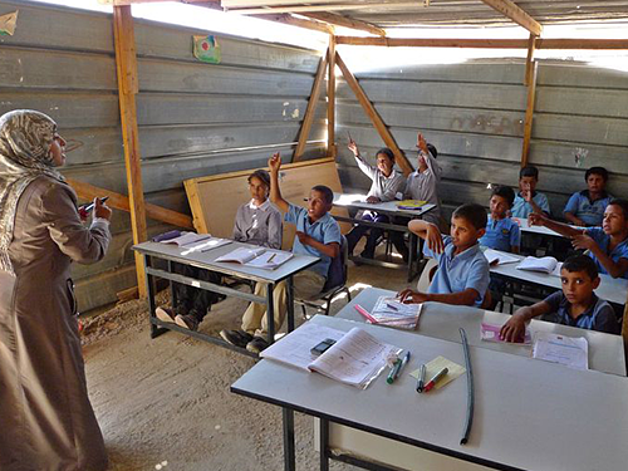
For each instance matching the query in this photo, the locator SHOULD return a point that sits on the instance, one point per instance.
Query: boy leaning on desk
(606, 245)
(318, 235)
(463, 272)
(576, 305)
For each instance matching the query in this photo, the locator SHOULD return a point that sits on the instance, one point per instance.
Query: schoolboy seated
(606, 245)
(502, 233)
(463, 272)
(257, 222)
(576, 305)
(386, 183)
(586, 207)
(318, 234)
(528, 200)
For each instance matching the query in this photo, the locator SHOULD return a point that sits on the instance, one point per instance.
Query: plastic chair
(336, 284)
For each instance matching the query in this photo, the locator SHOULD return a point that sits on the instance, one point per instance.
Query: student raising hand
(583, 241)
(421, 143)
(275, 162)
(353, 147)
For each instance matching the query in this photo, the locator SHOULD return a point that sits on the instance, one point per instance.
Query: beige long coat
(46, 420)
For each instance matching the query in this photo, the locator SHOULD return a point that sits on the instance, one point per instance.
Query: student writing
(576, 305)
(463, 271)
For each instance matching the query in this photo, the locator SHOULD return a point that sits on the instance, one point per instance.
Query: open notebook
(548, 265)
(266, 259)
(496, 257)
(357, 358)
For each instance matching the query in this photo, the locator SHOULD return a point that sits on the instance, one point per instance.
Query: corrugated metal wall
(195, 119)
(474, 112)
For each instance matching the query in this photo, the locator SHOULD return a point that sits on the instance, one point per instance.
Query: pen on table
(365, 313)
(437, 377)
(392, 307)
(421, 380)
(270, 259)
(399, 364)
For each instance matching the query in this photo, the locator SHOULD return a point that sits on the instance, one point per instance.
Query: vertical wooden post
(310, 111)
(128, 86)
(331, 98)
(530, 59)
(527, 127)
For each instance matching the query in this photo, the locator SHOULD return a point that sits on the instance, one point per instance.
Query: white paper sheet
(569, 351)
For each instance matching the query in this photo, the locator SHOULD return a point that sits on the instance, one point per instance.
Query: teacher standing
(46, 419)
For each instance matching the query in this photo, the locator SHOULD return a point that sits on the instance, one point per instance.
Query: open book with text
(548, 265)
(356, 359)
(257, 257)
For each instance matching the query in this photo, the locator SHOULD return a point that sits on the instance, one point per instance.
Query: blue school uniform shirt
(599, 316)
(591, 212)
(501, 235)
(326, 231)
(468, 269)
(522, 209)
(603, 240)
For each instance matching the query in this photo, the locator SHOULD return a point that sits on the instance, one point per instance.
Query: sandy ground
(165, 403)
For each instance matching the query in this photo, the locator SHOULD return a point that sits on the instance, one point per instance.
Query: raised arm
(363, 165)
(275, 193)
(429, 232)
(543, 220)
(586, 242)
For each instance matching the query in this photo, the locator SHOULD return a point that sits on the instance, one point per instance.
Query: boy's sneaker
(239, 338)
(187, 321)
(257, 345)
(165, 314)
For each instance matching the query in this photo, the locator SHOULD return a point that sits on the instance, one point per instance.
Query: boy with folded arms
(576, 305)
(463, 272)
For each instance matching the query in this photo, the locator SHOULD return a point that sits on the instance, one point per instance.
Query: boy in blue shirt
(606, 245)
(463, 273)
(528, 200)
(318, 234)
(586, 207)
(502, 233)
(576, 305)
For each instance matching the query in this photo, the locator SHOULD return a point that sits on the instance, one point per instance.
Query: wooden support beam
(377, 121)
(126, 66)
(516, 14)
(586, 44)
(300, 22)
(310, 111)
(527, 127)
(88, 192)
(339, 20)
(530, 60)
(331, 99)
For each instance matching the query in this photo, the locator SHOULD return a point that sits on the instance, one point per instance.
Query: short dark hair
(581, 263)
(601, 171)
(505, 192)
(261, 175)
(623, 204)
(328, 195)
(387, 152)
(432, 150)
(529, 171)
(474, 213)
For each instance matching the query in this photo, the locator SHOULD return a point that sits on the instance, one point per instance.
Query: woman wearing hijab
(47, 421)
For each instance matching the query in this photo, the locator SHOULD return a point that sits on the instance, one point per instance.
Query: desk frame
(158, 327)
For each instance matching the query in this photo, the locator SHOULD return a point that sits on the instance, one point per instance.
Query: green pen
(392, 374)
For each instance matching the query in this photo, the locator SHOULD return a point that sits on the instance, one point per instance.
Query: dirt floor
(165, 403)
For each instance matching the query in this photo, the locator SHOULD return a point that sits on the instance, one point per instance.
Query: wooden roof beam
(516, 14)
(339, 20)
(287, 19)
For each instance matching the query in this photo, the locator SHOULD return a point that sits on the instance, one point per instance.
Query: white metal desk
(207, 261)
(390, 209)
(606, 351)
(529, 414)
(613, 290)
